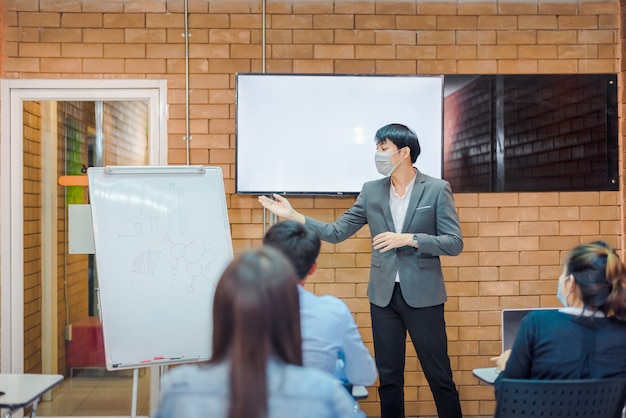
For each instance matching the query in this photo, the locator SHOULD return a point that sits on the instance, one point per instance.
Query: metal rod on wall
(263, 35)
(186, 36)
(272, 218)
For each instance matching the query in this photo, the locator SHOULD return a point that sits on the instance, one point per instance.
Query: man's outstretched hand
(281, 207)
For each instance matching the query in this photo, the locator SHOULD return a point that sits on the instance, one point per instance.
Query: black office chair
(590, 398)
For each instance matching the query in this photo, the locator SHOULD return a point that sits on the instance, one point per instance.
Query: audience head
(401, 136)
(297, 242)
(255, 317)
(599, 278)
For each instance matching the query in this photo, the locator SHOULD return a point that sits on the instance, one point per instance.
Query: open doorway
(52, 128)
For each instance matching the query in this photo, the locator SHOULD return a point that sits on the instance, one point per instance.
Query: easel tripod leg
(133, 410)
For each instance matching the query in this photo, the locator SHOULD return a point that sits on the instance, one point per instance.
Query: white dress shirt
(398, 205)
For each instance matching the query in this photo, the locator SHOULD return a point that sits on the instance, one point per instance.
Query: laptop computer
(510, 321)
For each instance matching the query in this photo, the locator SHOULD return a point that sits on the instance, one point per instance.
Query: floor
(94, 393)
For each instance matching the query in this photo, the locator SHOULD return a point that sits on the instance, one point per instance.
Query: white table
(22, 390)
(359, 392)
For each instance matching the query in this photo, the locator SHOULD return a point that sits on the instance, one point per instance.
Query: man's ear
(312, 270)
(407, 153)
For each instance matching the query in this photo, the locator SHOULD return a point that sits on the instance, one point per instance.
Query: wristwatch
(415, 243)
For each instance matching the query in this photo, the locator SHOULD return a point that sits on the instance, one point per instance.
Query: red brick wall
(32, 237)
(514, 241)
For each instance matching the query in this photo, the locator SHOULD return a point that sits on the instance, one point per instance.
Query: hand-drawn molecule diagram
(195, 265)
(154, 273)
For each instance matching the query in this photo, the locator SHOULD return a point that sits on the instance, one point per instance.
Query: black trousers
(427, 329)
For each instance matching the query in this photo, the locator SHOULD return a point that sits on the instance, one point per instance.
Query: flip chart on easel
(162, 240)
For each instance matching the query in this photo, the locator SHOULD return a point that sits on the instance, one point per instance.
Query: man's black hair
(401, 136)
(298, 243)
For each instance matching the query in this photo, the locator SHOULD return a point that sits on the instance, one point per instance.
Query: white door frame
(12, 95)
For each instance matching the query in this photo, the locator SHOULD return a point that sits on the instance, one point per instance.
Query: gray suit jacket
(431, 215)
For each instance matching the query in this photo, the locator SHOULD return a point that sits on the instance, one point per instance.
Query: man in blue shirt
(328, 327)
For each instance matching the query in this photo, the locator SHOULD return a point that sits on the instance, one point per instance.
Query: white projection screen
(314, 134)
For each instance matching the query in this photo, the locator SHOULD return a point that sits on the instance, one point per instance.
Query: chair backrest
(591, 398)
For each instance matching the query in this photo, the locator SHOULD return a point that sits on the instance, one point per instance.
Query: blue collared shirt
(294, 392)
(328, 328)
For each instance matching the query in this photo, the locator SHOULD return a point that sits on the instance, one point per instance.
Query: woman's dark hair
(256, 315)
(600, 276)
(401, 136)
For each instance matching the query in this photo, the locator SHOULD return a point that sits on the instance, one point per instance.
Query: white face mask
(383, 162)
(559, 292)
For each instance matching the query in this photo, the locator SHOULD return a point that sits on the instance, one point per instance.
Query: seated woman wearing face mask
(584, 339)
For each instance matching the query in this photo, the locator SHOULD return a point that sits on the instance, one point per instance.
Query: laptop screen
(511, 319)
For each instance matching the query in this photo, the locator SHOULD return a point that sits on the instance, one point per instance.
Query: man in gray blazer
(413, 221)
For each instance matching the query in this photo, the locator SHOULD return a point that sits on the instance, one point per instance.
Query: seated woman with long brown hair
(255, 370)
